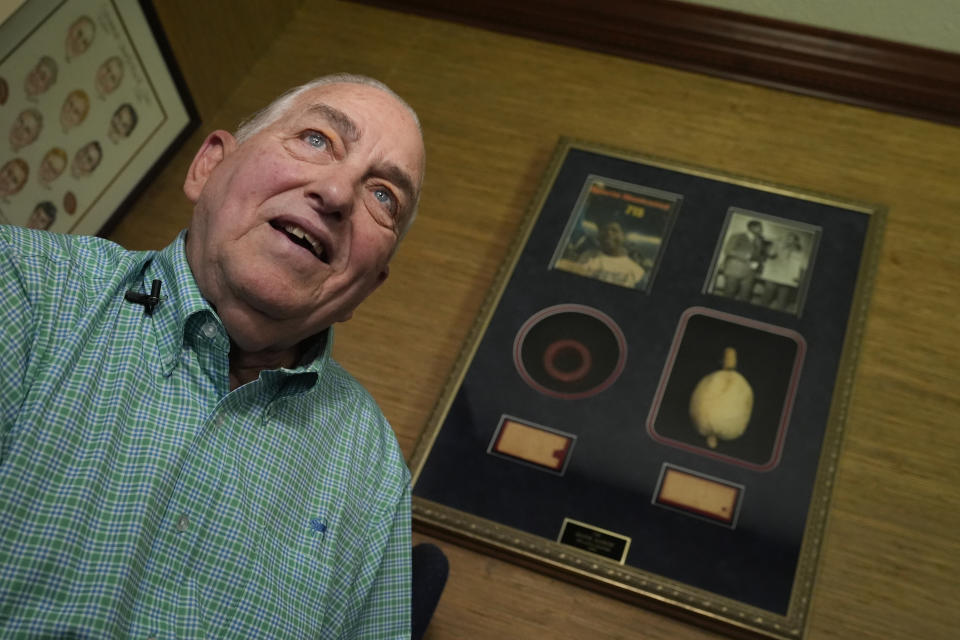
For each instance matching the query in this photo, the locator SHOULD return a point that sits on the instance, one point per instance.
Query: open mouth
(300, 237)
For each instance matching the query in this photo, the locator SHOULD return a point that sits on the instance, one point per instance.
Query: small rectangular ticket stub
(533, 444)
(699, 495)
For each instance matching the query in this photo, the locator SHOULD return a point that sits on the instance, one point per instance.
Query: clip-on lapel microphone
(149, 301)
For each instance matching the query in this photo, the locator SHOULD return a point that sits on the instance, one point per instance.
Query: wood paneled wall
(217, 41)
(492, 108)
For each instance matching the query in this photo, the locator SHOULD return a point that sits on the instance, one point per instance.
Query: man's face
(611, 238)
(109, 75)
(25, 128)
(74, 109)
(13, 176)
(40, 77)
(294, 228)
(52, 165)
(85, 160)
(121, 123)
(79, 36)
(755, 228)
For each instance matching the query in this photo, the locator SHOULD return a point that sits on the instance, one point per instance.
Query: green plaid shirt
(141, 498)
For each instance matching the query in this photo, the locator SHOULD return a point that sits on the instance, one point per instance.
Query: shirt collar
(181, 300)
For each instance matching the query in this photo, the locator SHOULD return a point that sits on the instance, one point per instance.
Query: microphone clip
(149, 301)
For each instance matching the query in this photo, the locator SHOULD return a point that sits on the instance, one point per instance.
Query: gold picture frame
(666, 500)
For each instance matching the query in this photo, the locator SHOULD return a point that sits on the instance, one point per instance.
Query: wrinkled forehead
(375, 117)
(358, 100)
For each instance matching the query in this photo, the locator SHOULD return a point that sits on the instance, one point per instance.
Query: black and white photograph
(764, 260)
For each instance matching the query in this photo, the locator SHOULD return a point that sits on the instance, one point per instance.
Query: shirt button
(183, 523)
(209, 329)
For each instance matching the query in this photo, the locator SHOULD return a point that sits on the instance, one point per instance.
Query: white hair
(273, 111)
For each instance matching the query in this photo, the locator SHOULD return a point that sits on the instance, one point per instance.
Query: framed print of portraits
(92, 104)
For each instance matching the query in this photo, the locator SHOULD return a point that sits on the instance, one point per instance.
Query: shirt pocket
(296, 585)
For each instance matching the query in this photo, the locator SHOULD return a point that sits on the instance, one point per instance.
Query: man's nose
(333, 193)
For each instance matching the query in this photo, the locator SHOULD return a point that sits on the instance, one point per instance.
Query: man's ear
(217, 146)
(381, 278)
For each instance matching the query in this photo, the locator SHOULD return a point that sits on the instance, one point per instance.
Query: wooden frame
(679, 494)
(93, 105)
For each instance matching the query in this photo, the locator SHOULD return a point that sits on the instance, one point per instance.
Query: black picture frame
(94, 105)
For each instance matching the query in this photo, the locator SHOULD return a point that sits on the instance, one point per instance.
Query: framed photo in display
(653, 399)
(764, 260)
(91, 103)
(616, 233)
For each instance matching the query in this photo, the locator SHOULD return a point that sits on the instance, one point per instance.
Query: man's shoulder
(369, 431)
(86, 254)
(340, 385)
(63, 278)
(336, 375)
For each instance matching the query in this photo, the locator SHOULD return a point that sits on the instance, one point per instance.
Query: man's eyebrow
(349, 130)
(399, 177)
(343, 123)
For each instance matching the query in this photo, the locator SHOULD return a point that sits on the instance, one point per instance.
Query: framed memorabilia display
(652, 400)
(91, 103)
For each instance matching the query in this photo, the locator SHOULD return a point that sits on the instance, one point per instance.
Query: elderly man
(190, 462)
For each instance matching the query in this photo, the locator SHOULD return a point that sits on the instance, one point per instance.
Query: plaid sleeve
(386, 611)
(16, 337)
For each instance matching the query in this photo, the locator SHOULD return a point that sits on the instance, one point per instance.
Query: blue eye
(315, 139)
(384, 196)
